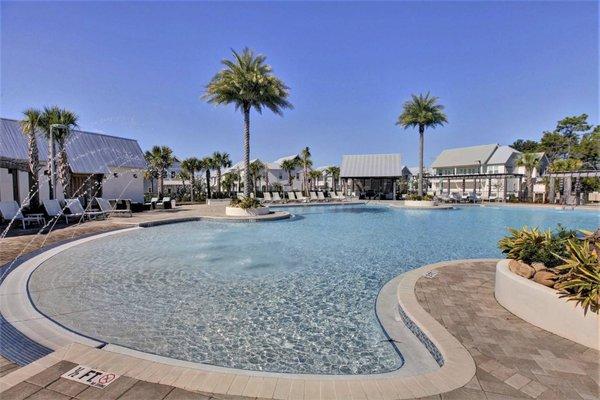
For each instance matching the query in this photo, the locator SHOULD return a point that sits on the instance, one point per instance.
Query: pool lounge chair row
(299, 197)
(73, 210)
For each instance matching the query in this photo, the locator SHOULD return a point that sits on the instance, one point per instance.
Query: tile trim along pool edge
(457, 367)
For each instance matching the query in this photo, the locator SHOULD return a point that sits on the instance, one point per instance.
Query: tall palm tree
(334, 172)
(221, 160)
(191, 165)
(422, 111)
(315, 175)
(67, 121)
(249, 83)
(289, 166)
(531, 162)
(256, 168)
(160, 158)
(29, 125)
(306, 164)
(184, 175)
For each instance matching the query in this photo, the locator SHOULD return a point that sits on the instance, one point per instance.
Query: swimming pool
(290, 296)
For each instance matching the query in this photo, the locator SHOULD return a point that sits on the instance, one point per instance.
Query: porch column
(551, 191)
(577, 190)
(505, 187)
(463, 186)
(520, 186)
(489, 188)
(448, 185)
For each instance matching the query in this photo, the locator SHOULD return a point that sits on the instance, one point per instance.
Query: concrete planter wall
(420, 203)
(240, 212)
(541, 306)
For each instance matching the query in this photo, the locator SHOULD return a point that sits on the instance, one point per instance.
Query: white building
(488, 170)
(101, 165)
(278, 178)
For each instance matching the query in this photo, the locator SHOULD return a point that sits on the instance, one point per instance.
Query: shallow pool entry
(289, 296)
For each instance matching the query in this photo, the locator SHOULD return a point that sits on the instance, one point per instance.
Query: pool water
(289, 296)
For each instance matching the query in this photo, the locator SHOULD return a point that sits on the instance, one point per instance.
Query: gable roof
(502, 155)
(371, 166)
(88, 152)
(464, 156)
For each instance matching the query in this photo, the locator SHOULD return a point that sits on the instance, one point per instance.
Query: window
(172, 174)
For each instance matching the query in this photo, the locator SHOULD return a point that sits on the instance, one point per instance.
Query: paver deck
(515, 360)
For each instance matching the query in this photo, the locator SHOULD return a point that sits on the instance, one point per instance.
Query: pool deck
(513, 359)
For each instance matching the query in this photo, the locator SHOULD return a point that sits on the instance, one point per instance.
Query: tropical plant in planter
(245, 203)
(535, 246)
(579, 276)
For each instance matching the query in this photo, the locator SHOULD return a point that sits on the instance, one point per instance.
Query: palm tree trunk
(208, 183)
(219, 179)
(421, 146)
(247, 151)
(192, 179)
(34, 167)
(63, 171)
(160, 181)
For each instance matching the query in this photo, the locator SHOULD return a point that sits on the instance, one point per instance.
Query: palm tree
(249, 83)
(183, 176)
(531, 162)
(334, 172)
(29, 125)
(423, 111)
(221, 160)
(315, 175)
(229, 180)
(191, 166)
(256, 168)
(306, 164)
(208, 163)
(160, 158)
(67, 121)
(289, 166)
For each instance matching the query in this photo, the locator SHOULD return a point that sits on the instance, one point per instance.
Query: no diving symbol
(106, 379)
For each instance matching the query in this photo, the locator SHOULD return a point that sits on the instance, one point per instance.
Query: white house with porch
(490, 171)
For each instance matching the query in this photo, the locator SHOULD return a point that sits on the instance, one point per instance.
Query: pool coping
(396, 304)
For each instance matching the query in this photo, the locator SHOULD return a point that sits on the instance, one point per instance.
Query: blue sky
(504, 70)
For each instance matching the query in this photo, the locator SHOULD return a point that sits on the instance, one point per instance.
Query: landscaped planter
(420, 203)
(540, 305)
(249, 212)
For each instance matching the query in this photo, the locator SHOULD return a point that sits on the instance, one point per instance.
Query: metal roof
(371, 166)
(87, 152)
(464, 156)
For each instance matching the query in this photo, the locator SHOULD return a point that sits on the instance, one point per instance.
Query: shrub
(533, 245)
(579, 275)
(245, 203)
(416, 197)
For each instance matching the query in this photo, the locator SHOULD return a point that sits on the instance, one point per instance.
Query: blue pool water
(288, 296)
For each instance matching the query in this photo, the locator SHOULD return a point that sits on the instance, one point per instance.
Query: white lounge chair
(75, 207)
(267, 197)
(313, 196)
(152, 202)
(300, 196)
(291, 196)
(54, 210)
(164, 201)
(493, 197)
(464, 197)
(321, 196)
(10, 211)
(340, 196)
(240, 196)
(110, 210)
(277, 198)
